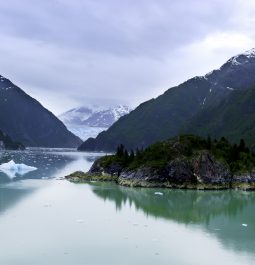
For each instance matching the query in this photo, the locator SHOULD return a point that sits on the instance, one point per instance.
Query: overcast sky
(67, 53)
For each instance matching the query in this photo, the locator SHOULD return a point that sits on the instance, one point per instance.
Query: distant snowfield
(85, 132)
(89, 121)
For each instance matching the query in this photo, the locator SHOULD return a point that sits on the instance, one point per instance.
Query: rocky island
(186, 162)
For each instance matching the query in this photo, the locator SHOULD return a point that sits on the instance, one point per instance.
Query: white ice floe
(158, 193)
(13, 170)
(245, 225)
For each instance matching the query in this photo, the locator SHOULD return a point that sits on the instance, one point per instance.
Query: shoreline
(80, 177)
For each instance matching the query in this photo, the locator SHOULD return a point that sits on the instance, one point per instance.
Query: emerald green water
(45, 220)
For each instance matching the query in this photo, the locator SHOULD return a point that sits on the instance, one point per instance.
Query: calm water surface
(48, 221)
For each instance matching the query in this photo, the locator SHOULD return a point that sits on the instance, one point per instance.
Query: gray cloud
(116, 51)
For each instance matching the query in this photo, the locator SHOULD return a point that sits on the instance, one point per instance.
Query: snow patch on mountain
(242, 58)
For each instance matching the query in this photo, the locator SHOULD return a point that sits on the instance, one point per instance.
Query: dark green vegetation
(233, 117)
(173, 112)
(25, 120)
(7, 143)
(80, 177)
(238, 157)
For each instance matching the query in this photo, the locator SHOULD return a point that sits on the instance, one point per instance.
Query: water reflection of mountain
(221, 213)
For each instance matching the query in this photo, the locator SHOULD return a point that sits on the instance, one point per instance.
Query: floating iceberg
(13, 170)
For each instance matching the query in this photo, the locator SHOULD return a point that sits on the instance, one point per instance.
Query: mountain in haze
(172, 112)
(89, 121)
(25, 120)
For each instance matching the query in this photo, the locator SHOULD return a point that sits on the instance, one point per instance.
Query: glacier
(12, 170)
(88, 121)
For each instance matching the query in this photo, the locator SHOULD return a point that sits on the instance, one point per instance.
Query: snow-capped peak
(104, 116)
(242, 58)
(87, 121)
(120, 111)
(250, 53)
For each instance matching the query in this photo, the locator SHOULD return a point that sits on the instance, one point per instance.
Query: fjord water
(45, 220)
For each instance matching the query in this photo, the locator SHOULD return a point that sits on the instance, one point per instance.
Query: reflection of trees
(184, 206)
(219, 212)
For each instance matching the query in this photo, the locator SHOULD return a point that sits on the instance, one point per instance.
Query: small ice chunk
(80, 221)
(245, 225)
(158, 193)
(230, 88)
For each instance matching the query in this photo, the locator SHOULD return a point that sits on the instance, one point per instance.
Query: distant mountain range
(89, 121)
(219, 103)
(25, 120)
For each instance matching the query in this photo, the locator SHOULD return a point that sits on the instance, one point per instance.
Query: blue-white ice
(13, 170)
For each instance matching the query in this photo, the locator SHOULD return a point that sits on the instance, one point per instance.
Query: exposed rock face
(98, 168)
(207, 170)
(179, 171)
(145, 173)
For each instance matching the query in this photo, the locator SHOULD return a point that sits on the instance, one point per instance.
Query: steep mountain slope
(89, 121)
(25, 120)
(165, 116)
(7, 143)
(233, 117)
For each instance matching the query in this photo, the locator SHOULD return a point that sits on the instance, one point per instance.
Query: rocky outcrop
(201, 171)
(180, 171)
(98, 168)
(210, 172)
(245, 181)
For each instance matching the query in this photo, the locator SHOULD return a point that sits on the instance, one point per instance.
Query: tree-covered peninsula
(185, 161)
